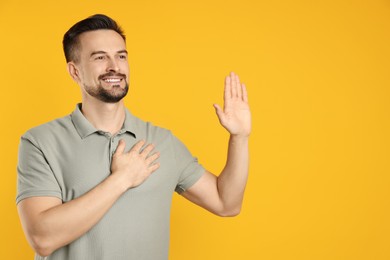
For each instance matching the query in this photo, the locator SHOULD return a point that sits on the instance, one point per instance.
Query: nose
(112, 65)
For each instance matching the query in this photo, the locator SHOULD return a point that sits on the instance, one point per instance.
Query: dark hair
(95, 22)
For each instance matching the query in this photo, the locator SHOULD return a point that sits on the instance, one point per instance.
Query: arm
(223, 195)
(50, 224)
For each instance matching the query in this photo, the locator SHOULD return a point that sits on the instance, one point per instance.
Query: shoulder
(50, 130)
(146, 130)
(163, 137)
(156, 133)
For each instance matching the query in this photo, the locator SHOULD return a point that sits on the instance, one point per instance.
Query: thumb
(219, 111)
(121, 147)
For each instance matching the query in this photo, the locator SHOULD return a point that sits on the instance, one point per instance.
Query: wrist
(243, 137)
(118, 182)
(239, 140)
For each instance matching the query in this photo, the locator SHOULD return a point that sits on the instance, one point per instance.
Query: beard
(112, 95)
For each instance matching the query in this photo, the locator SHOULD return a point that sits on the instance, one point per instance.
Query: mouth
(112, 80)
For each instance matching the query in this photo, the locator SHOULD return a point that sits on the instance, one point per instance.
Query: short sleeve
(189, 169)
(35, 177)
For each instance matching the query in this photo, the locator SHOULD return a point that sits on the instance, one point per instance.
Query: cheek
(124, 65)
(91, 74)
(126, 71)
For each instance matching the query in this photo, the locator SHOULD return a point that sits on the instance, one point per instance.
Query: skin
(50, 224)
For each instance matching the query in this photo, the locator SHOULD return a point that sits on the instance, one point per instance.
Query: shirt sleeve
(188, 166)
(35, 177)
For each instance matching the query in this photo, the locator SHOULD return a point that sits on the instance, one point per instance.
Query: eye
(122, 57)
(99, 58)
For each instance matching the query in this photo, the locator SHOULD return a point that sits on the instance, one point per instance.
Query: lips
(112, 80)
(112, 77)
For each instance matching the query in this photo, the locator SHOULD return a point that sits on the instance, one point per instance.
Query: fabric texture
(67, 157)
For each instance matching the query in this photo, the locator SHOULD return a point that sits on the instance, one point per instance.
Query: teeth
(112, 80)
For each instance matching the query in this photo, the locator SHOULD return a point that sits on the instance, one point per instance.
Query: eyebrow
(103, 52)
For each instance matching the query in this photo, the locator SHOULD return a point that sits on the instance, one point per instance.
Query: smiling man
(98, 183)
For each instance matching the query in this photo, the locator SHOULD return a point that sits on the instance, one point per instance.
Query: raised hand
(135, 166)
(235, 116)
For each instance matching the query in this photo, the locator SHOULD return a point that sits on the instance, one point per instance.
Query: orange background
(317, 74)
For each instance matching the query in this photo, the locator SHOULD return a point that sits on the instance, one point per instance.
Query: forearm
(223, 195)
(64, 223)
(232, 180)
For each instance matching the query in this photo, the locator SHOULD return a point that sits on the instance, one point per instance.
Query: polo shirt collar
(84, 128)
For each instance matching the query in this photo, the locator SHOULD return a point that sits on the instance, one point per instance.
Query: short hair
(71, 41)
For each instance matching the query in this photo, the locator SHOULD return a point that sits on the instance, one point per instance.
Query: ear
(73, 71)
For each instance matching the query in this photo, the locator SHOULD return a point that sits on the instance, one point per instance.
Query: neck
(108, 117)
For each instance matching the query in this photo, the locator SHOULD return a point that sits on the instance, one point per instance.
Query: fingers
(238, 86)
(135, 165)
(244, 93)
(137, 147)
(233, 84)
(233, 87)
(154, 167)
(146, 151)
(121, 147)
(151, 159)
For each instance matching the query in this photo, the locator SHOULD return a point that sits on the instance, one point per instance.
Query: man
(98, 184)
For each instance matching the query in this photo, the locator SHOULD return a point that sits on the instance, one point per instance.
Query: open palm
(235, 116)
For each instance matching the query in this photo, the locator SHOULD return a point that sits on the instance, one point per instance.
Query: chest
(82, 164)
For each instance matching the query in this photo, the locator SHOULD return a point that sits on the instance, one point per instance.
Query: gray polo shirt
(67, 157)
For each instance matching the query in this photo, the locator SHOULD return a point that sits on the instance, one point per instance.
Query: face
(102, 70)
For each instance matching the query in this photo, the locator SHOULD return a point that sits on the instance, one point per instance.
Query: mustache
(111, 74)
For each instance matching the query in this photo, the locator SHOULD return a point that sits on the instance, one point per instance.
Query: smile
(111, 80)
